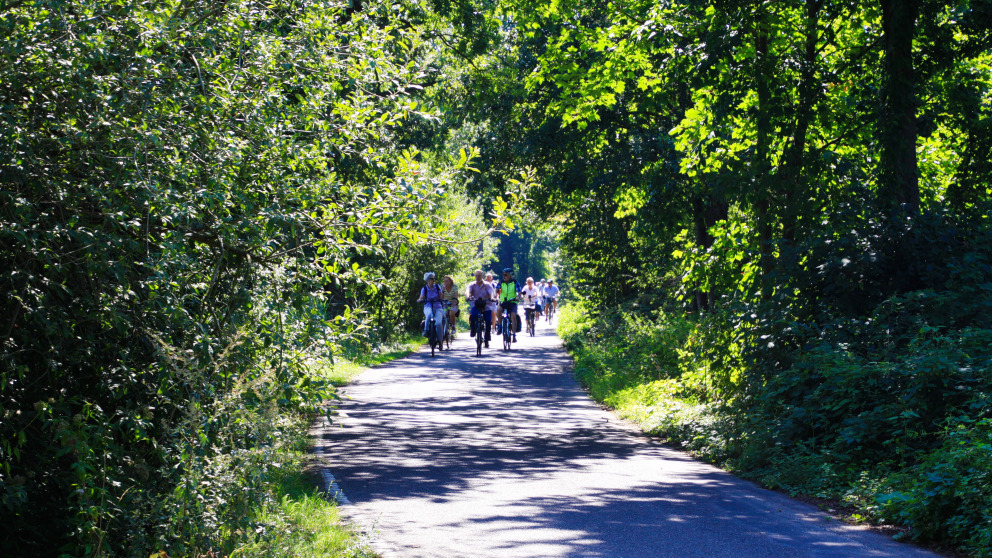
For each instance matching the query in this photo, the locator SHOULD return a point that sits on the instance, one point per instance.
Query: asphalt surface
(505, 455)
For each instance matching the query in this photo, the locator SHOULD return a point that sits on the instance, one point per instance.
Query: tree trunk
(762, 163)
(794, 158)
(900, 181)
(706, 212)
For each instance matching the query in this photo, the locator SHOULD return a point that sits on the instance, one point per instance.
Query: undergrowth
(359, 355)
(900, 437)
(296, 520)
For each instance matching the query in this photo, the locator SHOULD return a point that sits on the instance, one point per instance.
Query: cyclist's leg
(514, 316)
(439, 322)
(480, 321)
(428, 313)
(488, 316)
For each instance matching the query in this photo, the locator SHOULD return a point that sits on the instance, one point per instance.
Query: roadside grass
(634, 367)
(357, 358)
(297, 520)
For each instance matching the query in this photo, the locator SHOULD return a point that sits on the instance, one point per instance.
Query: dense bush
(194, 199)
(883, 404)
(947, 493)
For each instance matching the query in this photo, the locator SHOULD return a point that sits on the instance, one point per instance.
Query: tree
(898, 118)
(189, 190)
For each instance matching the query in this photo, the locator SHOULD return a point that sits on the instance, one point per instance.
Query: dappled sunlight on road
(505, 455)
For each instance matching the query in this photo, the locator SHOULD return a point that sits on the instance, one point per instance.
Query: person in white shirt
(495, 285)
(531, 295)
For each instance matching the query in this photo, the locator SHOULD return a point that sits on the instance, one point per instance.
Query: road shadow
(517, 413)
(532, 467)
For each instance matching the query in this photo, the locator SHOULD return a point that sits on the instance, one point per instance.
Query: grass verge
(357, 358)
(297, 520)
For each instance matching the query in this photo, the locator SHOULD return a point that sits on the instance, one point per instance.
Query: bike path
(505, 455)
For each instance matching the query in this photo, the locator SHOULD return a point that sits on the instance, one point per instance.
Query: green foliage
(809, 202)
(294, 518)
(727, 268)
(195, 200)
(632, 359)
(947, 495)
(885, 408)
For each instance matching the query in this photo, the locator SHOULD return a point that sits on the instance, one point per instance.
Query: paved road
(506, 456)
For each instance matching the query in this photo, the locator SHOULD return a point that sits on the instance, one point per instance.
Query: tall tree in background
(900, 181)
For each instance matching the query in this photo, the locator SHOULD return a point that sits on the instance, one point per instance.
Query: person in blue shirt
(552, 293)
(430, 295)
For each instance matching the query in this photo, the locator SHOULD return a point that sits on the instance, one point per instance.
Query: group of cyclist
(488, 298)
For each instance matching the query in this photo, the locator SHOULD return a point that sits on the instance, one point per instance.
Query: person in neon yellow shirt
(508, 291)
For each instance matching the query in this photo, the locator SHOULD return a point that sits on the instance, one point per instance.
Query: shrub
(947, 495)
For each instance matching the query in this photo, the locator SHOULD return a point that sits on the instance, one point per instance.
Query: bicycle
(530, 313)
(447, 327)
(432, 337)
(442, 332)
(549, 311)
(478, 327)
(506, 327)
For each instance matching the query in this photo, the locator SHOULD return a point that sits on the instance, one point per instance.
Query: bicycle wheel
(480, 335)
(507, 325)
(432, 336)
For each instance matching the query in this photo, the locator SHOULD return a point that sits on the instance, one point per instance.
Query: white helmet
(428, 275)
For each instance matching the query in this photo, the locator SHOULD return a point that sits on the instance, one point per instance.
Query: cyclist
(532, 299)
(480, 294)
(449, 294)
(539, 302)
(552, 292)
(495, 285)
(509, 289)
(430, 295)
(541, 286)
